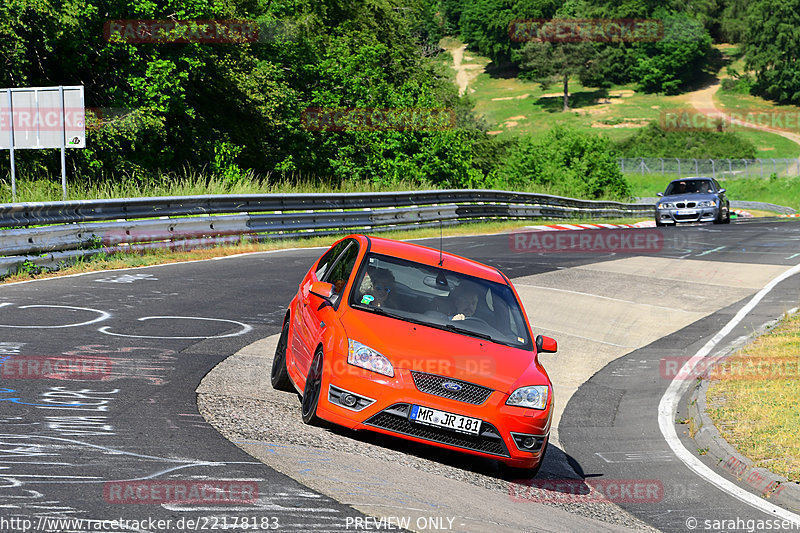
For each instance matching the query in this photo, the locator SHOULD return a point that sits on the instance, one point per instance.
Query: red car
(405, 340)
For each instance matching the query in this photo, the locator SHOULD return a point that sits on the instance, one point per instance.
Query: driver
(465, 302)
(377, 291)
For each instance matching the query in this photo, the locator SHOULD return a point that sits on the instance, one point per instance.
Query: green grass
(757, 408)
(514, 107)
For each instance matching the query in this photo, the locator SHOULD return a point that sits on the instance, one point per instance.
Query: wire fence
(716, 168)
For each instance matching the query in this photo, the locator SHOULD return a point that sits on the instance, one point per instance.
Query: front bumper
(677, 216)
(514, 435)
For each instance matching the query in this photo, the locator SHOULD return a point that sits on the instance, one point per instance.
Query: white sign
(40, 117)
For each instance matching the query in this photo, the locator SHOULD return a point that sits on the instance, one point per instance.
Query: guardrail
(48, 234)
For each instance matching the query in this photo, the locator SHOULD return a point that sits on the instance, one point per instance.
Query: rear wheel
(312, 391)
(280, 376)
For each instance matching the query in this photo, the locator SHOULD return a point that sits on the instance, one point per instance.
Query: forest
(235, 104)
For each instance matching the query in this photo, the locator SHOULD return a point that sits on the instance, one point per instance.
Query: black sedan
(693, 200)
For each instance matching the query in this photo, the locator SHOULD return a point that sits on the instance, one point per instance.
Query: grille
(395, 419)
(681, 205)
(432, 384)
(685, 217)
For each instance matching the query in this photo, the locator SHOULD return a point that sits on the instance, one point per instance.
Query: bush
(569, 162)
(654, 141)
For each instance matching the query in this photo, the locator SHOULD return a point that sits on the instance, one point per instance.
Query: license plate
(686, 212)
(434, 417)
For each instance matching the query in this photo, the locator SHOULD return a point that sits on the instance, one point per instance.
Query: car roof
(431, 257)
(693, 178)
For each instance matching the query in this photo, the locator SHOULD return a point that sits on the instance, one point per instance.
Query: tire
(659, 224)
(727, 217)
(280, 376)
(312, 391)
(511, 473)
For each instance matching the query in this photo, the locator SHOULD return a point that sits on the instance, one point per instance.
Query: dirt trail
(703, 101)
(464, 73)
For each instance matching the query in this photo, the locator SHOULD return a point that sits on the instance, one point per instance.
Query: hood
(692, 197)
(426, 349)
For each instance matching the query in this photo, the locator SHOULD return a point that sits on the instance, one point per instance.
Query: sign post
(42, 117)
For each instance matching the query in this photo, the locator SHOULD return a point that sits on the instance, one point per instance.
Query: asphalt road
(144, 338)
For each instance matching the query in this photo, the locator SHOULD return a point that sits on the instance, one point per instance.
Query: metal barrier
(51, 233)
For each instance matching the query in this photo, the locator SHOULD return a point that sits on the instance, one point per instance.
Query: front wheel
(312, 391)
(511, 473)
(280, 376)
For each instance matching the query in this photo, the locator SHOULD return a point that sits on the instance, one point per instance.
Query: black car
(698, 199)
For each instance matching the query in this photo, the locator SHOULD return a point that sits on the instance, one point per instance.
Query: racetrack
(161, 330)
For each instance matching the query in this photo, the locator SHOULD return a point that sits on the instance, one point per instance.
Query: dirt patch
(627, 124)
(518, 117)
(519, 97)
(495, 132)
(622, 93)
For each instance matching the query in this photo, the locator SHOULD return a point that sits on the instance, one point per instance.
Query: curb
(702, 429)
(567, 227)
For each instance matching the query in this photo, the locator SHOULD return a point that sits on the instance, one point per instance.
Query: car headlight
(707, 203)
(666, 205)
(534, 397)
(365, 357)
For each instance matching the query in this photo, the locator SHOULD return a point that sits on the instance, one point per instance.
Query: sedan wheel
(312, 391)
(280, 376)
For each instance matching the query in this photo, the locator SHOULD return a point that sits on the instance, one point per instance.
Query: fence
(716, 168)
(51, 233)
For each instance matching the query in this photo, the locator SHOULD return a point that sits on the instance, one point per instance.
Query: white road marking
(246, 328)
(667, 409)
(103, 316)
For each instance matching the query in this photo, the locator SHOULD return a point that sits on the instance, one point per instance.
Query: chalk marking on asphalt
(667, 408)
(103, 316)
(246, 328)
(717, 249)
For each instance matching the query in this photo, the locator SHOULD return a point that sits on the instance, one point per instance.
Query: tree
(546, 62)
(772, 49)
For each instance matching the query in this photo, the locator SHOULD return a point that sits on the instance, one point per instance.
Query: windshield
(689, 187)
(440, 298)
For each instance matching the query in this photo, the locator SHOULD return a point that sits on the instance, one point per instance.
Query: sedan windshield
(689, 187)
(440, 298)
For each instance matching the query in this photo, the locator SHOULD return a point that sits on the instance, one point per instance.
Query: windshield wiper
(465, 331)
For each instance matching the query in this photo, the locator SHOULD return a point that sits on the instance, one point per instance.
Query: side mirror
(722, 191)
(659, 194)
(546, 344)
(321, 289)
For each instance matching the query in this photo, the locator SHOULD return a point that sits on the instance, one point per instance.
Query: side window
(340, 271)
(326, 261)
